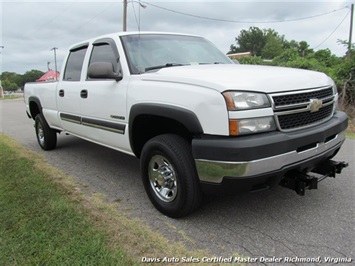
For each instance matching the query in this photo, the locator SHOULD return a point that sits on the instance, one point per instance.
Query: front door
(103, 102)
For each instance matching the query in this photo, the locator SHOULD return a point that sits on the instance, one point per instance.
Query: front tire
(46, 137)
(169, 175)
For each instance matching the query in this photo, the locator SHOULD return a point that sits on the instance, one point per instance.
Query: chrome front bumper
(213, 171)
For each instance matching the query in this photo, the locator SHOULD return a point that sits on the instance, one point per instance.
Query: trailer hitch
(300, 181)
(330, 168)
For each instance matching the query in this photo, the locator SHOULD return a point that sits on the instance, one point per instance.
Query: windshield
(152, 52)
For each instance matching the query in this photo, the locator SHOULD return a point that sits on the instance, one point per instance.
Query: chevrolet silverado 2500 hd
(198, 122)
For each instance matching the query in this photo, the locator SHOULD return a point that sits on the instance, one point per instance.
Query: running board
(299, 181)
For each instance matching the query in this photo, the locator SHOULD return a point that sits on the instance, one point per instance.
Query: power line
(337, 27)
(241, 21)
(135, 16)
(48, 22)
(88, 21)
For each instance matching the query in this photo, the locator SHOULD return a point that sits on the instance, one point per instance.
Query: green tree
(291, 45)
(9, 86)
(266, 43)
(285, 57)
(31, 76)
(273, 47)
(326, 57)
(252, 40)
(345, 80)
(13, 77)
(251, 60)
(20, 80)
(304, 49)
(233, 49)
(346, 44)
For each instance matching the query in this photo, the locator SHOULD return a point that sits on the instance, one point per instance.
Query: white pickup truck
(198, 122)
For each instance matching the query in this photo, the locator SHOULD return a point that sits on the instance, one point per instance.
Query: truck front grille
(289, 99)
(303, 119)
(295, 110)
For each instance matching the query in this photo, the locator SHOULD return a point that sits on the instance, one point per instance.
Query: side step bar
(299, 181)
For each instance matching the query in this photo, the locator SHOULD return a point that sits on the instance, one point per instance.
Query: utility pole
(55, 61)
(124, 15)
(351, 32)
(125, 2)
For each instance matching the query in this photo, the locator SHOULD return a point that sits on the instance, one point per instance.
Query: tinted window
(74, 65)
(103, 53)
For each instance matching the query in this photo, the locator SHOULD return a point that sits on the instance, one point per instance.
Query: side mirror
(103, 70)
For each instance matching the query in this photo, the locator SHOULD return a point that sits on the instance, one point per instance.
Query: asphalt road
(276, 223)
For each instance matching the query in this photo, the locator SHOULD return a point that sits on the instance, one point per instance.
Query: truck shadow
(247, 224)
(119, 175)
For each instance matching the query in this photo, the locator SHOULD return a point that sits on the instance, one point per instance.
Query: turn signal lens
(233, 127)
(229, 100)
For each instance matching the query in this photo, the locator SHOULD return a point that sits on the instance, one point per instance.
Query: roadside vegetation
(11, 81)
(10, 97)
(46, 219)
(351, 129)
(268, 47)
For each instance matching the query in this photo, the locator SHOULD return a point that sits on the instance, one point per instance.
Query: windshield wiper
(163, 66)
(213, 63)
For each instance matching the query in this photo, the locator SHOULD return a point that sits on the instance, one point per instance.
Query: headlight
(238, 100)
(256, 125)
(251, 125)
(335, 89)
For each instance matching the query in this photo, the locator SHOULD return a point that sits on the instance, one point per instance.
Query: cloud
(30, 29)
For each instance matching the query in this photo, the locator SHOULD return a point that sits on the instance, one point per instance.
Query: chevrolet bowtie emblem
(315, 105)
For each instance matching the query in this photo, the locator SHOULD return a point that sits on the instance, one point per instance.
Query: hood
(241, 77)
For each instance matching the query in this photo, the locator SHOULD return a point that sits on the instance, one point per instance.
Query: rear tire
(46, 137)
(169, 175)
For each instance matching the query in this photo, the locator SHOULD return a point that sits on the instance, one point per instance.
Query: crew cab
(198, 122)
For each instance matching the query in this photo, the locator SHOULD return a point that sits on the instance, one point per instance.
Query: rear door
(69, 88)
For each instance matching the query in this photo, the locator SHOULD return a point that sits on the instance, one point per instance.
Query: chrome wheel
(46, 137)
(162, 178)
(169, 175)
(40, 134)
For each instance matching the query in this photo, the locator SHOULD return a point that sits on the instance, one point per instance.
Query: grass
(11, 96)
(45, 219)
(41, 224)
(350, 135)
(350, 131)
